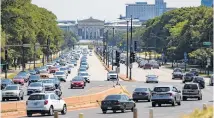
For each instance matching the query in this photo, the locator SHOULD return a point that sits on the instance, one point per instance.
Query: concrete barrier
(73, 102)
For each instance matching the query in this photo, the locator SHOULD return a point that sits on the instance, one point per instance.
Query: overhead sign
(207, 43)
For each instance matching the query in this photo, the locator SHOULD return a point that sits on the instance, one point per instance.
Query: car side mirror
(130, 99)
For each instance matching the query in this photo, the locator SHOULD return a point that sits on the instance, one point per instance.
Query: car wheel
(107, 79)
(114, 111)
(64, 110)
(51, 110)
(173, 103)
(200, 98)
(136, 100)
(29, 114)
(19, 98)
(184, 98)
(124, 109)
(83, 87)
(153, 104)
(88, 81)
(149, 100)
(104, 111)
(3, 99)
(22, 98)
(159, 104)
(179, 103)
(43, 114)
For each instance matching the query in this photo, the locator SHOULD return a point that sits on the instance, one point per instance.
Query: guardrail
(135, 113)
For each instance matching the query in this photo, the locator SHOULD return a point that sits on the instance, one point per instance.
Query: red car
(147, 66)
(19, 80)
(53, 69)
(78, 82)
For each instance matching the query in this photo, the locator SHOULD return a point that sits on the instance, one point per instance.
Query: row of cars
(161, 94)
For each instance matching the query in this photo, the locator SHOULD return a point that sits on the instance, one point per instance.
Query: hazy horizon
(100, 9)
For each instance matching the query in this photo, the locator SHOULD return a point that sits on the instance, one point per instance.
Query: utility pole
(6, 62)
(106, 49)
(34, 56)
(131, 50)
(112, 53)
(23, 53)
(127, 51)
(48, 49)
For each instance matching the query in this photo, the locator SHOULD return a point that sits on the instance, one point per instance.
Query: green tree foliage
(178, 31)
(70, 39)
(24, 22)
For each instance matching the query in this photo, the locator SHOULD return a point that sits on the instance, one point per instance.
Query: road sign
(207, 43)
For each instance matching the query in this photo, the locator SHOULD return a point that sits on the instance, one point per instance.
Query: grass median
(201, 113)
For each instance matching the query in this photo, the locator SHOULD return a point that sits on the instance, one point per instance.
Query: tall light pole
(131, 50)
(127, 51)
(112, 62)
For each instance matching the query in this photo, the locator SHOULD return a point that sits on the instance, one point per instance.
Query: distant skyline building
(207, 3)
(144, 11)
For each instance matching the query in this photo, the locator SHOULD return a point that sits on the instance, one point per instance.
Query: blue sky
(100, 9)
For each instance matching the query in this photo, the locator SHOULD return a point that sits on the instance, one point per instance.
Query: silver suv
(165, 95)
(191, 90)
(12, 92)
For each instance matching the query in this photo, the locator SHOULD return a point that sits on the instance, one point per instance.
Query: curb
(73, 103)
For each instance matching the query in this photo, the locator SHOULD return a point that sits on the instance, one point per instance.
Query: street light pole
(107, 49)
(6, 62)
(127, 51)
(23, 53)
(48, 50)
(34, 56)
(131, 50)
(112, 62)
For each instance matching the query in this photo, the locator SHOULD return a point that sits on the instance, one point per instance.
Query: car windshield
(34, 77)
(177, 70)
(63, 69)
(47, 81)
(190, 86)
(83, 74)
(59, 73)
(113, 97)
(161, 89)
(189, 74)
(18, 77)
(11, 88)
(112, 72)
(35, 84)
(151, 76)
(5, 81)
(38, 97)
(199, 79)
(77, 79)
(140, 89)
(83, 63)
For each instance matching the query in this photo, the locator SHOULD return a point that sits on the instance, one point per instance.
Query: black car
(33, 78)
(200, 81)
(5, 82)
(194, 71)
(57, 82)
(117, 102)
(188, 77)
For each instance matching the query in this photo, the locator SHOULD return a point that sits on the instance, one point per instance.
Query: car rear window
(11, 88)
(140, 89)
(38, 97)
(190, 86)
(161, 89)
(113, 97)
(189, 74)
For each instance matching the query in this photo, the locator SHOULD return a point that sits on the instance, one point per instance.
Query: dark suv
(200, 81)
(188, 77)
(177, 73)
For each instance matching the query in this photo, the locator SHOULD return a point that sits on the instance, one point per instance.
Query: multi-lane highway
(98, 77)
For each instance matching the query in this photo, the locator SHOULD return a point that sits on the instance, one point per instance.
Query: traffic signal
(132, 57)
(117, 58)
(135, 46)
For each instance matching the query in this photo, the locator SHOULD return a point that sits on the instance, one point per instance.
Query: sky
(100, 9)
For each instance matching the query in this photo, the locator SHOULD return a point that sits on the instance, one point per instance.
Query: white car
(45, 103)
(85, 75)
(112, 75)
(151, 79)
(61, 75)
(166, 95)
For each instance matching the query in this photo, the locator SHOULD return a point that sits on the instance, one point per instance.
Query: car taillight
(170, 94)
(46, 102)
(117, 102)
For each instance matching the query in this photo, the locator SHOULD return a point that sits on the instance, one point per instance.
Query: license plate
(109, 108)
